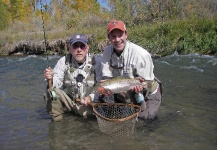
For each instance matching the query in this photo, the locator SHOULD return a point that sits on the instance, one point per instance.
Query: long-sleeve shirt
(133, 62)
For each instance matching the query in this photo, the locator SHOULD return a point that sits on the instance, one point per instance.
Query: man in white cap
(124, 58)
(71, 78)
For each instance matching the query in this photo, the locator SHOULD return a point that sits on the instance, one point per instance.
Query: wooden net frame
(116, 119)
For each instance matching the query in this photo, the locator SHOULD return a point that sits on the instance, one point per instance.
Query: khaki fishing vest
(77, 81)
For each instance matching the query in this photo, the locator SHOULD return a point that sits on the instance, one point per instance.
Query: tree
(20, 9)
(4, 17)
(87, 6)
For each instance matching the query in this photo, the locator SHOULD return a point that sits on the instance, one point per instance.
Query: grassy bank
(162, 38)
(184, 37)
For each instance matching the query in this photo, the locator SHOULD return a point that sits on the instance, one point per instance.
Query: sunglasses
(79, 45)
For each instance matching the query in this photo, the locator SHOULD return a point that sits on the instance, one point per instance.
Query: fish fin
(149, 85)
(123, 93)
(144, 84)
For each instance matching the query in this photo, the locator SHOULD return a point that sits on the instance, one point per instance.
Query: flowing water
(187, 117)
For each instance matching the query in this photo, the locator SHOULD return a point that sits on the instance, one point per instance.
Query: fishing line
(45, 41)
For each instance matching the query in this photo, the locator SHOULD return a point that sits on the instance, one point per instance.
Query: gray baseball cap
(78, 38)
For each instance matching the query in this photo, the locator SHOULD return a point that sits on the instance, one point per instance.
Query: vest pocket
(90, 83)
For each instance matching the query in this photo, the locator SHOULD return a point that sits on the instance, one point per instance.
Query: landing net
(116, 119)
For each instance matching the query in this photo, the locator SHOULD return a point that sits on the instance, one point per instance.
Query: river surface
(187, 117)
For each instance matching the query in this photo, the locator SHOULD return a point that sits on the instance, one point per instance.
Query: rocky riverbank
(53, 47)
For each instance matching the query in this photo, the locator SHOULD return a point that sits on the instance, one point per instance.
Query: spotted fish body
(118, 85)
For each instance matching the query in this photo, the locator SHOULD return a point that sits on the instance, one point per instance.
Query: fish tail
(144, 85)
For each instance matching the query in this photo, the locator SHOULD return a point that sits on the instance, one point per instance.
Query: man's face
(79, 51)
(118, 39)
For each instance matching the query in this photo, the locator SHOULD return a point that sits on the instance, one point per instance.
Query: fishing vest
(78, 80)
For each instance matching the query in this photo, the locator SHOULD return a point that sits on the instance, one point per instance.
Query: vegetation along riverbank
(161, 26)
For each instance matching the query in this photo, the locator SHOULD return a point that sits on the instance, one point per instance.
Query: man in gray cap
(71, 78)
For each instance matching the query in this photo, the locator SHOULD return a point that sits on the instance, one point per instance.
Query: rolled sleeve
(145, 66)
(106, 69)
(59, 70)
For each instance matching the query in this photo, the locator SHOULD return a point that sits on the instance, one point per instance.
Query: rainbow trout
(121, 84)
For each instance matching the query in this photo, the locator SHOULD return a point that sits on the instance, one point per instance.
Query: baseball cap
(116, 24)
(78, 38)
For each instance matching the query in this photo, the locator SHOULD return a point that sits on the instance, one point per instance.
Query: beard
(80, 59)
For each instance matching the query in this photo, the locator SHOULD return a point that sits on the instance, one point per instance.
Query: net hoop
(138, 108)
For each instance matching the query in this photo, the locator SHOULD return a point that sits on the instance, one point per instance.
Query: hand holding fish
(138, 88)
(120, 85)
(85, 101)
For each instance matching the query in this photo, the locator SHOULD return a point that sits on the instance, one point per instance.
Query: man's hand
(138, 88)
(140, 79)
(48, 73)
(86, 101)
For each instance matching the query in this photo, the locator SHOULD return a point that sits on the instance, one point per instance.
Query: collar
(75, 64)
(123, 52)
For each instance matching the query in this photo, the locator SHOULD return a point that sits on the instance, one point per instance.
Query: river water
(187, 117)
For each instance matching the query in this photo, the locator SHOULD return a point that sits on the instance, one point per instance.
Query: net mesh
(116, 119)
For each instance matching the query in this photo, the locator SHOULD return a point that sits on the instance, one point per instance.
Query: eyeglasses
(79, 45)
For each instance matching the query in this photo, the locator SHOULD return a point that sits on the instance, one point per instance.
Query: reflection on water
(187, 117)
